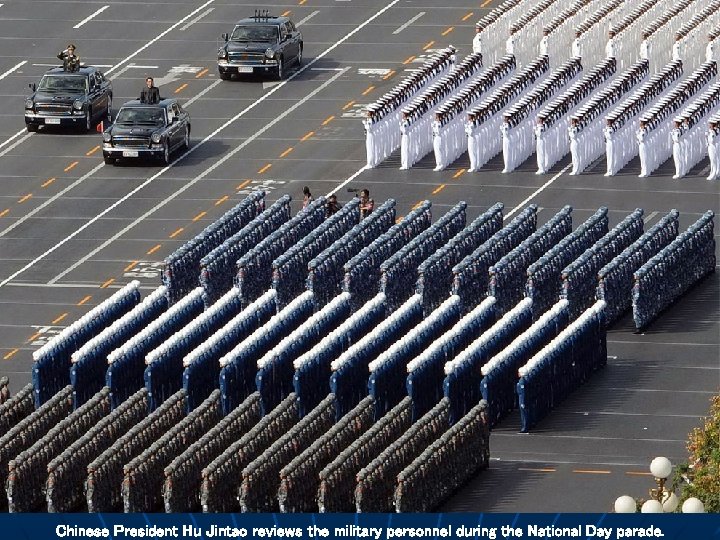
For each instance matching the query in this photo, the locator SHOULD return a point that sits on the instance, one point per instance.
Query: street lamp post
(661, 498)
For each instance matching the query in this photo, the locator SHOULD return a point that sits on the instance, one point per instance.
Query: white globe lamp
(693, 505)
(625, 504)
(652, 507)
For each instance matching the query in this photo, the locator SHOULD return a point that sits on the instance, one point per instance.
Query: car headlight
(107, 137)
(222, 53)
(29, 104)
(269, 52)
(155, 138)
(77, 105)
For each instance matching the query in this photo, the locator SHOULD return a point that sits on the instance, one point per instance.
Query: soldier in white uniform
(677, 48)
(678, 154)
(544, 42)
(510, 43)
(609, 133)
(610, 47)
(710, 50)
(574, 147)
(477, 40)
(644, 151)
(577, 46)
(645, 47)
(712, 142)
(541, 147)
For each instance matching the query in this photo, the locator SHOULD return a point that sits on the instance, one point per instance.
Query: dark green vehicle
(260, 45)
(69, 98)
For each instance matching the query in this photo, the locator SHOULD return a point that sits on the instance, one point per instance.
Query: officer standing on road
(150, 94)
(477, 40)
(307, 197)
(71, 61)
(367, 205)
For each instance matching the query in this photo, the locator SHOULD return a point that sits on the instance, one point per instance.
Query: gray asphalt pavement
(73, 229)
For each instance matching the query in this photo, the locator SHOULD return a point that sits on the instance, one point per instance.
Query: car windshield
(255, 33)
(146, 116)
(63, 83)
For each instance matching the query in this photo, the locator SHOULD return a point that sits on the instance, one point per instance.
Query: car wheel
(88, 120)
(166, 154)
(32, 128)
(280, 69)
(299, 56)
(225, 76)
(186, 141)
(109, 160)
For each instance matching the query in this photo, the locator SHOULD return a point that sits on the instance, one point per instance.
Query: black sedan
(143, 130)
(260, 45)
(69, 98)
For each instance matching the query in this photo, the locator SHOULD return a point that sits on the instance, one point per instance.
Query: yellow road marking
(34, 337)
(107, 283)
(9, 355)
(265, 168)
(245, 183)
(285, 14)
(590, 471)
(181, 229)
(307, 136)
(154, 249)
(446, 32)
(417, 205)
(428, 45)
(130, 266)
(203, 72)
(544, 469)
(637, 473)
(301, 2)
(328, 120)
(84, 300)
(71, 166)
(199, 216)
(439, 189)
(60, 318)
(459, 173)
(91, 152)
(348, 105)
(286, 152)
(485, 3)
(25, 198)
(48, 182)
(4, 212)
(388, 74)
(409, 59)
(222, 200)
(368, 90)
(466, 17)
(181, 88)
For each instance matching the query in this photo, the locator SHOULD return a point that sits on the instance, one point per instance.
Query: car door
(289, 43)
(295, 37)
(96, 98)
(175, 128)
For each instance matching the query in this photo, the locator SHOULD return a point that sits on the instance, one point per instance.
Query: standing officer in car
(150, 94)
(71, 61)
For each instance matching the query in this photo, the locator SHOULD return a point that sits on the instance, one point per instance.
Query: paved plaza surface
(73, 230)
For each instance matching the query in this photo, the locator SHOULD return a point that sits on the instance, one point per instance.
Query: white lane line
(160, 36)
(404, 26)
(133, 55)
(649, 217)
(51, 200)
(536, 192)
(12, 69)
(196, 19)
(189, 184)
(350, 179)
(326, 69)
(12, 138)
(91, 17)
(18, 143)
(306, 19)
(201, 94)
